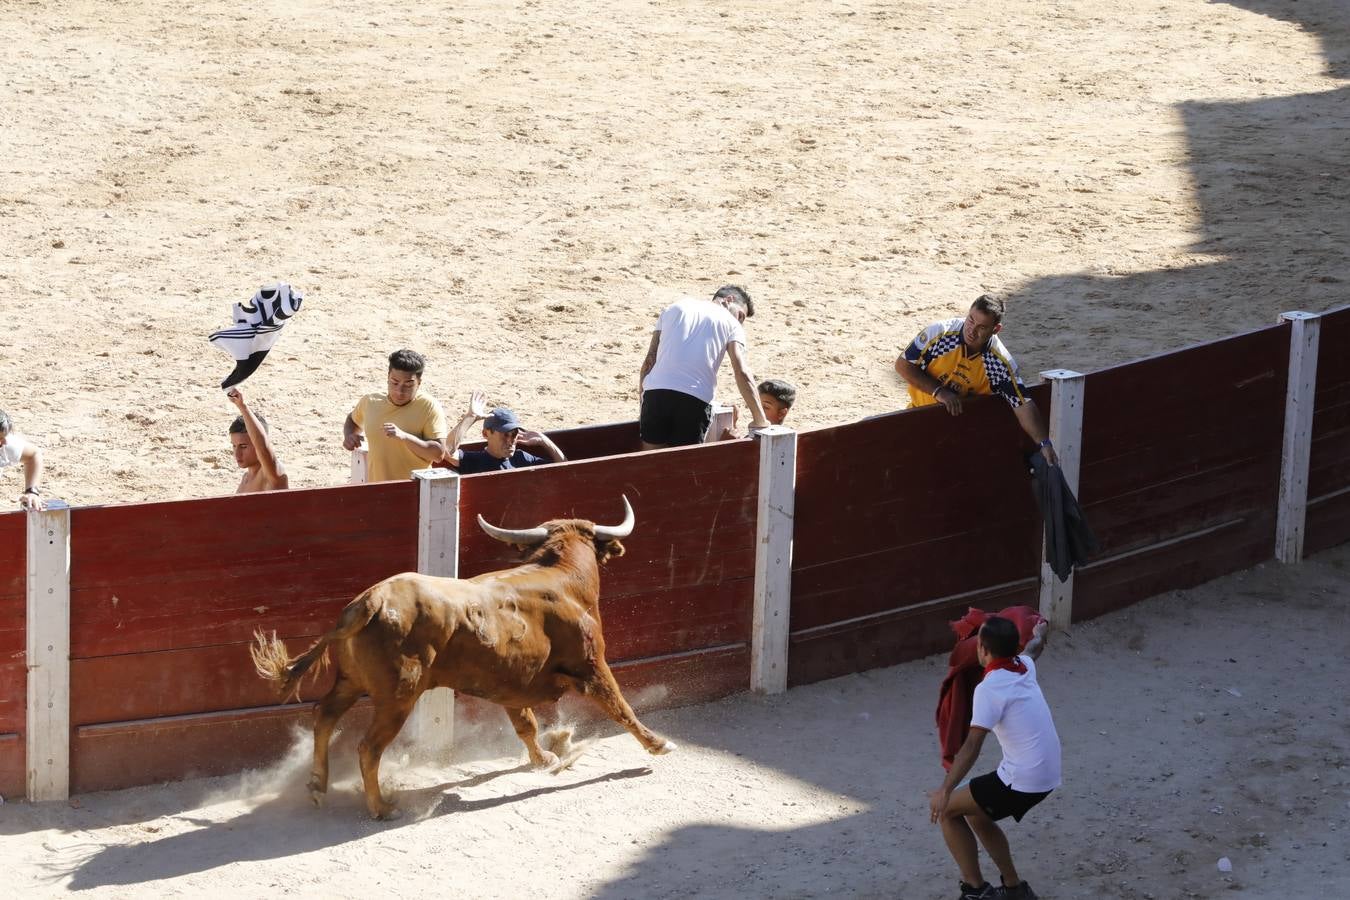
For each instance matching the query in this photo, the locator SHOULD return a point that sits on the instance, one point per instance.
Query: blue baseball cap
(502, 419)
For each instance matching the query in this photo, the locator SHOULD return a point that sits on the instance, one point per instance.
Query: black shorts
(1000, 801)
(673, 418)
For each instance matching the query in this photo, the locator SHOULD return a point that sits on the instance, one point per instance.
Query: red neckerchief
(1011, 663)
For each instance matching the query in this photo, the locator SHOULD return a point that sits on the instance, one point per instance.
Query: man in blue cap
(505, 437)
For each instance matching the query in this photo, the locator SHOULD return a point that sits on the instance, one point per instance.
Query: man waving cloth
(257, 325)
(964, 672)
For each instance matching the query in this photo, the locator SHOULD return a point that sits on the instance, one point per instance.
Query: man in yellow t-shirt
(959, 358)
(404, 428)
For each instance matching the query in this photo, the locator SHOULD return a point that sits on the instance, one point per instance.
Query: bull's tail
(273, 662)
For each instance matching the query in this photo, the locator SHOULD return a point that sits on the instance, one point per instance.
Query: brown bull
(517, 637)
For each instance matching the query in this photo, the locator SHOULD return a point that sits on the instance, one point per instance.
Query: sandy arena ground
(1191, 724)
(516, 188)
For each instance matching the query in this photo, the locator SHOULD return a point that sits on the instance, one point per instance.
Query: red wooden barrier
(165, 597)
(1328, 522)
(1181, 467)
(902, 521)
(13, 674)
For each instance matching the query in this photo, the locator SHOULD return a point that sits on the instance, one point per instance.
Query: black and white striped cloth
(257, 325)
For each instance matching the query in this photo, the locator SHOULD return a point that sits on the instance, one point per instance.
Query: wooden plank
(47, 655)
(1179, 564)
(594, 441)
(432, 723)
(1161, 462)
(891, 638)
(1328, 520)
(13, 693)
(127, 754)
(203, 572)
(707, 615)
(11, 766)
(882, 521)
(907, 477)
(1211, 389)
(1305, 330)
(903, 576)
(13, 612)
(1191, 503)
(176, 682)
(773, 559)
(1066, 433)
(1328, 523)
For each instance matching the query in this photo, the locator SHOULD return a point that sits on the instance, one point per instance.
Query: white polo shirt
(694, 338)
(1014, 709)
(13, 451)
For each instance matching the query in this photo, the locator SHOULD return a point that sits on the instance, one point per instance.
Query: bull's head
(606, 537)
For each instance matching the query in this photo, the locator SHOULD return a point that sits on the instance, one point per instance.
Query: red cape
(964, 672)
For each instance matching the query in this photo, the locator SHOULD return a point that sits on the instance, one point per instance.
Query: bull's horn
(524, 536)
(615, 532)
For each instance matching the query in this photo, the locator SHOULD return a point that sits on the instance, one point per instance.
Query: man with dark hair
(17, 450)
(253, 450)
(959, 358)
(679, 374)
(505, 438)
(1009, 703)
(410, 425)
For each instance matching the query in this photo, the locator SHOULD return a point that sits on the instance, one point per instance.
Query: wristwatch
(31, 490)
(1046, 443)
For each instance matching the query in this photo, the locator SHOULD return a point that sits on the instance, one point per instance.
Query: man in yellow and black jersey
(959, 358)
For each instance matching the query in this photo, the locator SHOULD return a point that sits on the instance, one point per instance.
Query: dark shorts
(1000, 801)
(673, 418)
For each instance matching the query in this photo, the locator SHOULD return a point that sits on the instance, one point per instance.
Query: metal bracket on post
(1066, 432)
(431, 727)
(1304, 337)
(773, 559)
(47, 655)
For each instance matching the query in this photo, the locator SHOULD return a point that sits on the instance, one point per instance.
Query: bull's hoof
(663, 748)
(316, 797)
(546, 760)
(386, 812)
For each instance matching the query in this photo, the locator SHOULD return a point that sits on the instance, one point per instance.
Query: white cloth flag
(257, 325)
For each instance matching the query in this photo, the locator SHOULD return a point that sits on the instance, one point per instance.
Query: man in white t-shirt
(679, 373)
(16, 450)
(1009, 703)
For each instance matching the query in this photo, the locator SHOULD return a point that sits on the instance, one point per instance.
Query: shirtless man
(253, 451)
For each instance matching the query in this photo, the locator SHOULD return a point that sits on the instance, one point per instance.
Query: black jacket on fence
(1068, 539)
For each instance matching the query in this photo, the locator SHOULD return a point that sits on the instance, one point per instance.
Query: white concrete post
(360, 465)
(48, 655)
(1304, 336)
(773, 559)
(1066, 432)
(723, 417)
(432, 723)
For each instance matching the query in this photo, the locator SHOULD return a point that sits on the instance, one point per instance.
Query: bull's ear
(605, 550)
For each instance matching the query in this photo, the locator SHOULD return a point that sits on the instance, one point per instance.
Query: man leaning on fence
(679, 373)
(404, 427)
(958, 358)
